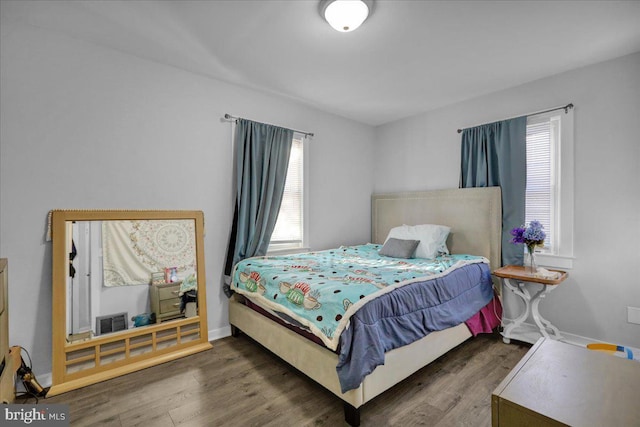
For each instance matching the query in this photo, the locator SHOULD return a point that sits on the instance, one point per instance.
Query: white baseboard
(577, 339)
(216, 334)
(583, 341)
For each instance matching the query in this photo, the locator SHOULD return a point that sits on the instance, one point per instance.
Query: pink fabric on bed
(487, 319)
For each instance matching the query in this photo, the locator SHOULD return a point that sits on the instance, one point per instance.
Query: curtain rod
(566, 109)
(234, 118)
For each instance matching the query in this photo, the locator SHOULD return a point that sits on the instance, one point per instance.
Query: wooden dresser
(557, 384)
(165, 302)
(9, 364)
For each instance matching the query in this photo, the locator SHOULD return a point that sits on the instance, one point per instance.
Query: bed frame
(475, 218)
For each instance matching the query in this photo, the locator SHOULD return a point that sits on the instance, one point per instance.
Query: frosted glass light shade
(346, 15)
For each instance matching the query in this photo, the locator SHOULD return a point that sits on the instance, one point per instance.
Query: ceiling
(409, 57)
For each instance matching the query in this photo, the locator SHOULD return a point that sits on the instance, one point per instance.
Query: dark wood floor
(239, 383)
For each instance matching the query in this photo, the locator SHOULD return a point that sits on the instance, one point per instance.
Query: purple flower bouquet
(532, 235)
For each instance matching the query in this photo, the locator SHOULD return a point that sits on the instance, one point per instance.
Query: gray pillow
(399, 248)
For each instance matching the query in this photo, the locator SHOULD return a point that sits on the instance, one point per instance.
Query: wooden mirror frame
(137, 348)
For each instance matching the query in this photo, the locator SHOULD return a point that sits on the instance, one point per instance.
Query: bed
(474, 218)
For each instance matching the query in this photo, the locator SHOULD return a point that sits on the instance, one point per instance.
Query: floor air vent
(111, 323)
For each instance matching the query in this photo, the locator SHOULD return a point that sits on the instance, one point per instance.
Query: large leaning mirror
(128, 292)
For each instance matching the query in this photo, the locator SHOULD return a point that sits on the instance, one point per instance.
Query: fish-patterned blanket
(322, 290)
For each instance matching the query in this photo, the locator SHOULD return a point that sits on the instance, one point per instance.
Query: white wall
(86, 127)
(423, 152)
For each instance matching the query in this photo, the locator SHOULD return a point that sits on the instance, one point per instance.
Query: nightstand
(165, 301)
(514, 278)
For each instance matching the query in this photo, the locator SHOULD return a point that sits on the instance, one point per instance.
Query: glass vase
(531, 266)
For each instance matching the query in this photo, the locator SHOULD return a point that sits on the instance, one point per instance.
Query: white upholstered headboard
(474, 215)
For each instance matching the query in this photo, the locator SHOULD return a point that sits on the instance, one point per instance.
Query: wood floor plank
(155, 420)
(239, 383)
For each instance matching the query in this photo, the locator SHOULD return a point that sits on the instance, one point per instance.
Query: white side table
(513, 278)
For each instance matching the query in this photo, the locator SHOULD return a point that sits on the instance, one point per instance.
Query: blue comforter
(408, 314)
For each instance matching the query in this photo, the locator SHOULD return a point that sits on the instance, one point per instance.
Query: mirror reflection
(127, 274)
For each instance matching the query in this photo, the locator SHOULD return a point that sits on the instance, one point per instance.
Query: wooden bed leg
(351, 415)
(235, 331)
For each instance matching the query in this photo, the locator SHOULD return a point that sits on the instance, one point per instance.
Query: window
(541, 201)
(289, 232)
(549, 192)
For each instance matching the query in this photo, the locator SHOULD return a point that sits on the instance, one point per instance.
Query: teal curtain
(495, 155)
(261, 161)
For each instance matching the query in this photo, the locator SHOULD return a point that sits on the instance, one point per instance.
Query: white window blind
(542, 176)
(288, 233)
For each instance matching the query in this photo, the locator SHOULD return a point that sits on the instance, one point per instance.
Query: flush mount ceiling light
(345, 15)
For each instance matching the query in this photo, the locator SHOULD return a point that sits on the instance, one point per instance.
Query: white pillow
(433, 238)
